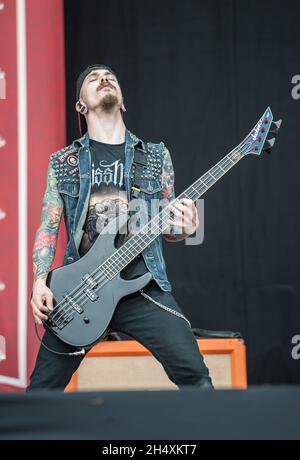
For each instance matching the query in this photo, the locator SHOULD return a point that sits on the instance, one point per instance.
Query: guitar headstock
(257, 140)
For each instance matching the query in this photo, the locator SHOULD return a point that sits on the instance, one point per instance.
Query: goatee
(108, 102)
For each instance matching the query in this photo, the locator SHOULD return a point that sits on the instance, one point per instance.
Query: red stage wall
(32, 126)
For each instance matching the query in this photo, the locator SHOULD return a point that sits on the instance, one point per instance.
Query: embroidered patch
(74, 170)
(72, 160)
(65, 153)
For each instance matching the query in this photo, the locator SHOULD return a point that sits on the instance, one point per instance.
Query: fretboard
(157, 225)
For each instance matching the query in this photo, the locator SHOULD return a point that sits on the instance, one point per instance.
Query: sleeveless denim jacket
(72, 166)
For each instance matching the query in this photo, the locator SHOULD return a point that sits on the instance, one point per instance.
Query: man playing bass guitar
(90, 181)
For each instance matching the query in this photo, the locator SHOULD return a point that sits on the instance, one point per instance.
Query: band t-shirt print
(108, 196)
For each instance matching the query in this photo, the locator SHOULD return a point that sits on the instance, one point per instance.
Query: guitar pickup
(90, 281)
(91, 294)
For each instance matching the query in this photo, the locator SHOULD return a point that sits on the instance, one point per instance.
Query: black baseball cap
(79, 83)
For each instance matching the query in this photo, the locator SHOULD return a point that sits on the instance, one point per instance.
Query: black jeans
(168, 337)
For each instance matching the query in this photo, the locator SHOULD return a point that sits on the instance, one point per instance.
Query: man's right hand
(41, 300)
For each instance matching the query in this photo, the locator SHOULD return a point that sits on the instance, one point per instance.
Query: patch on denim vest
(65, 164)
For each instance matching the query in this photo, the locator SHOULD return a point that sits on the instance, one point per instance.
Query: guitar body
(90, 326)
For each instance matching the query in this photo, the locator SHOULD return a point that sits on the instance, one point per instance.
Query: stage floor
(257, 413)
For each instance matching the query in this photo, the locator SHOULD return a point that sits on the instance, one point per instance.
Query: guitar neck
(157, 225)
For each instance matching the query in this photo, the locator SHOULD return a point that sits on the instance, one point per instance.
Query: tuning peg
(268, 145)
(275, 125)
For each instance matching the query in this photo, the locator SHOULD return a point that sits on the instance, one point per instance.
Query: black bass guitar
(86, 293)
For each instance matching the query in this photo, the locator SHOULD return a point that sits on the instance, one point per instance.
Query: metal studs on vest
(65, 164)
(154, 164)
(153, 167)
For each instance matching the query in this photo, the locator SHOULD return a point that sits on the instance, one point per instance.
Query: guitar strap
(139, 162)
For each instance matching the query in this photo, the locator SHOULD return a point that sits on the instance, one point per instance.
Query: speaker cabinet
(127, 365)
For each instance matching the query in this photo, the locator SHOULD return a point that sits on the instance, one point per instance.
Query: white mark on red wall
(2, 214)
(2, 85)
(2, 348)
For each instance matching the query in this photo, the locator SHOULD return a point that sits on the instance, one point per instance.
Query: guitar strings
(70, 308)
(69, 311)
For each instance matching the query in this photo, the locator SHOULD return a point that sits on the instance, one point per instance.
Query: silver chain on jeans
(170, 310)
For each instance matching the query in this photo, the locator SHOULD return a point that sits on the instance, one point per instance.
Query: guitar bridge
(73, 304)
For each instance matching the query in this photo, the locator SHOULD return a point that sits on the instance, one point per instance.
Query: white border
(21, 381)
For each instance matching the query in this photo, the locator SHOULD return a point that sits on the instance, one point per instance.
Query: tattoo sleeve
(168, 193)
(46, 235)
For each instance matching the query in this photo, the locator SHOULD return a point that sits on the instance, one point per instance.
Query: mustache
(104, 85)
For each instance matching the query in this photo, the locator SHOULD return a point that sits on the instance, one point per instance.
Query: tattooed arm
(185, 219)
(45, 246)
(46, 236)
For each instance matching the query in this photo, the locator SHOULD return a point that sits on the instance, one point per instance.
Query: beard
(109, 102)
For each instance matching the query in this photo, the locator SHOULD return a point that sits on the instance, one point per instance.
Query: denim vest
(72, 166)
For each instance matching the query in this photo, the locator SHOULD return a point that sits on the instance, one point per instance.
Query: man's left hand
(185, 216)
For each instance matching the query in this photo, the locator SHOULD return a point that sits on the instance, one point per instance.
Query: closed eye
(96, 77)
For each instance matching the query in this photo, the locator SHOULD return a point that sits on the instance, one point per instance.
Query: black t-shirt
(108, 198)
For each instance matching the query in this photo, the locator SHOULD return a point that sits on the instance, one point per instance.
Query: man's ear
(123, 108)
(81, 108)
